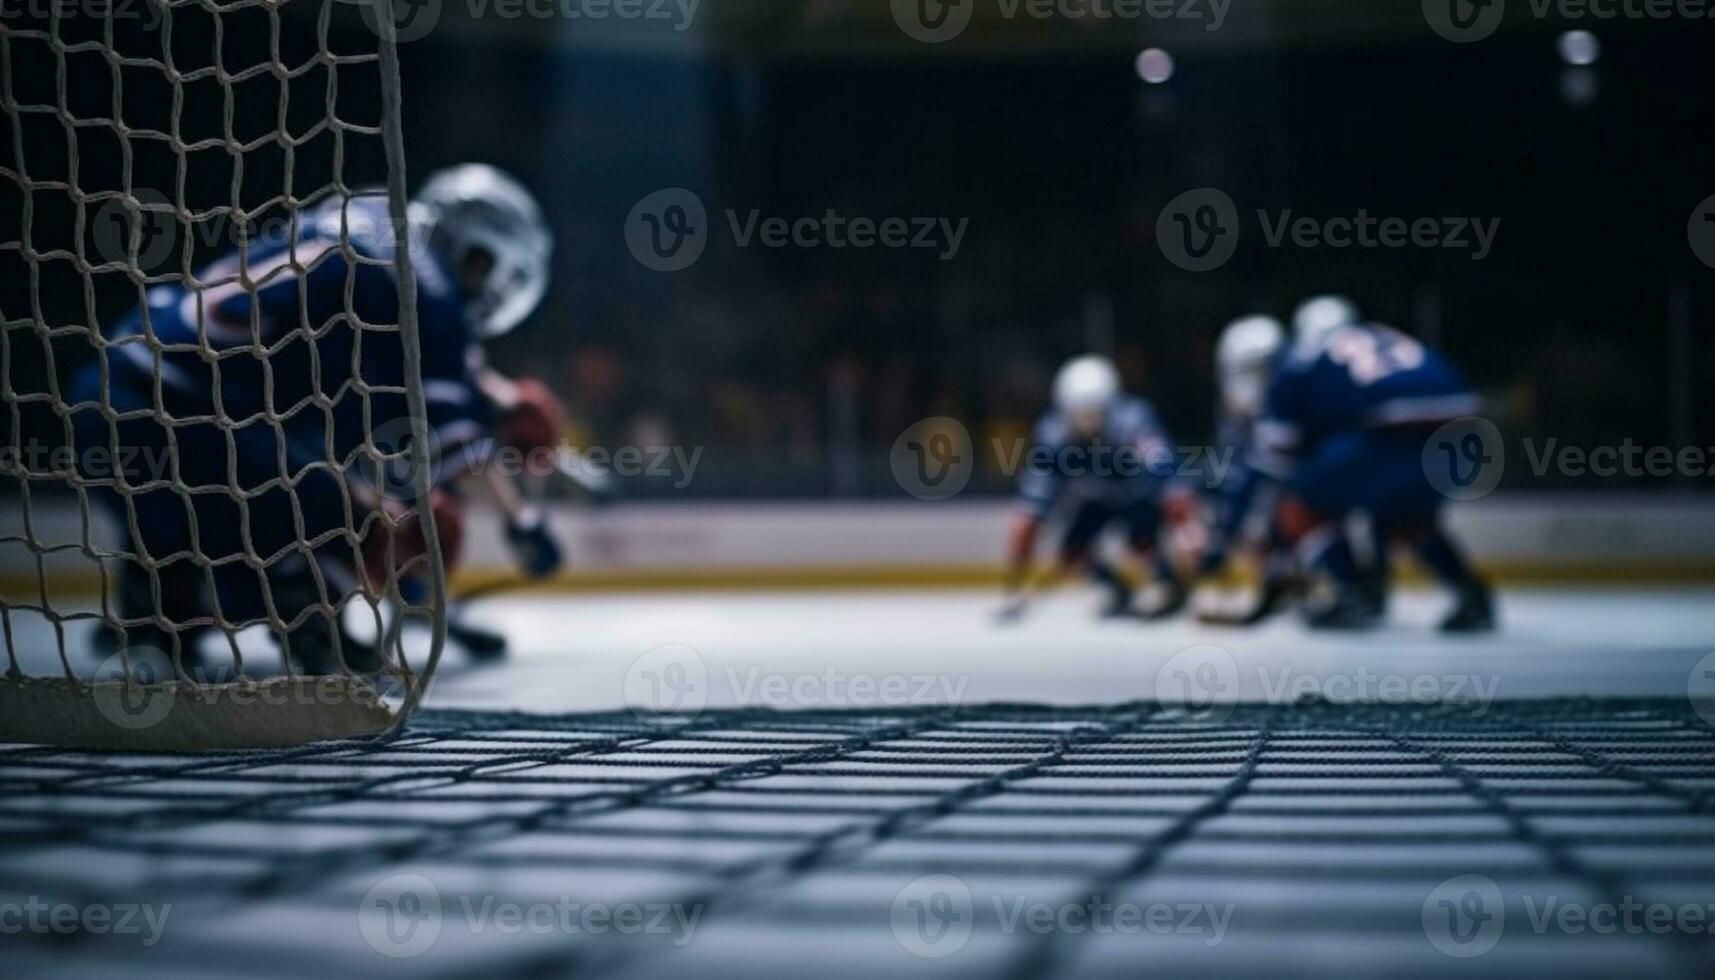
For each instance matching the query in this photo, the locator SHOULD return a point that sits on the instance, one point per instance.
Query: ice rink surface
(825, 649)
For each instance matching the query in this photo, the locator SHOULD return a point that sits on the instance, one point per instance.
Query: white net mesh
(211, 382)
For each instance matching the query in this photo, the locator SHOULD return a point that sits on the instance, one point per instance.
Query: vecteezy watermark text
(395, 465)
(404, 915)
(934, 917)
(672, 684)
(1200, 229)
(679, 13)
(115, 10)
(1465, 459)
(1627, 459)
(939, 21)
(669, 230)
(1364, 230)
(412, 20)
(831, 229)
(1203, 683)
(33, 916)
(1465, 21)
(1467, 916)
(935, 458)
(136, 689)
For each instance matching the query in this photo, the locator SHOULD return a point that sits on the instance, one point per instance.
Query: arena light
(1154, 66)
(1579, 48)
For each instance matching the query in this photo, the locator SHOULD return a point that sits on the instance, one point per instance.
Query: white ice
(819, 649)
(789, 650)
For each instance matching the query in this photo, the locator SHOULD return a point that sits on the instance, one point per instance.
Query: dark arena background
(999, 488)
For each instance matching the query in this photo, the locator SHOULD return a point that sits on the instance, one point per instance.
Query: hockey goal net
(161, 158)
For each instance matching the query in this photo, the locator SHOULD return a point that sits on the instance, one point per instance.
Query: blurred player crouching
(1099, 458)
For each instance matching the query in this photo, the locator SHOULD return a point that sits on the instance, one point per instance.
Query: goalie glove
(394, 546)
(533, 545)
(535, 418)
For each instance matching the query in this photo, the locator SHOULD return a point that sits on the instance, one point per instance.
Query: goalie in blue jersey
(228, 424)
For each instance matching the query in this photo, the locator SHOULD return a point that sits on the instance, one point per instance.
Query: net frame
(70, 710)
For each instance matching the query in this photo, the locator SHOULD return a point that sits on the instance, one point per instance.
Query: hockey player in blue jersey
(226, 423)
(1316, 317)
(1349, 411)
(1100, 457)
(1245, 360)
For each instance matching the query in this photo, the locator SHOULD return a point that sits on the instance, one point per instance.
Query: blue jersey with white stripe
(1131, 458)
(1356, 377)
(301, 329)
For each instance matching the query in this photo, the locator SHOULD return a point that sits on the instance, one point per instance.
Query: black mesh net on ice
(1576, 837)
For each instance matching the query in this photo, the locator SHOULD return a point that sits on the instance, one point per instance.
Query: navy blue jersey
(1232, 497)
(1355, 378)
(1131, 459)
(301, 330)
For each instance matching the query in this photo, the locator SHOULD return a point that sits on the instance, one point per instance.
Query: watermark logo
(150, 14)
(1464, 21)
(938, 21)
(142, 701)
(936, 458)
(832, 230)
(833, 687)
(1465, 458)
(1701, 231)
(1199, 230)
(404, 916)
(668, 230)
(1285, 685)
(412, 19)
(933, 916)
(933, 459)
(396, 465)
(400, 917)
(142, 223)
(1464, 916)
(1700, 688)
(933, 21)
(668, 685)
(1201, 684)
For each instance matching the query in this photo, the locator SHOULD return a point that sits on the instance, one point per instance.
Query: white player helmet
(1319, 316)
(475, 206)
(1087, 385)
(1245, 359)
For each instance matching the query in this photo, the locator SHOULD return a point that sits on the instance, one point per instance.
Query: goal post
(191, 522)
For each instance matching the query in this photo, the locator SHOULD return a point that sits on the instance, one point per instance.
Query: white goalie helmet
(474, 207)
(1087, 385)
(1319, 316)
(1245, 361)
